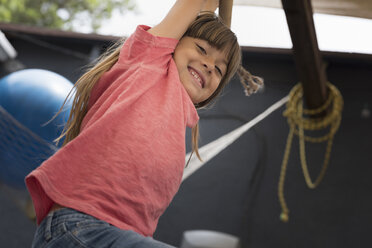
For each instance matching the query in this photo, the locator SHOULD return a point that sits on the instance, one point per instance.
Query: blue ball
(28, 101)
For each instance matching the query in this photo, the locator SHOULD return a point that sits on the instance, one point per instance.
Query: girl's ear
(178, 19)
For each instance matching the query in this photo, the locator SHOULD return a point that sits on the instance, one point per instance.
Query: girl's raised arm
(180, 16)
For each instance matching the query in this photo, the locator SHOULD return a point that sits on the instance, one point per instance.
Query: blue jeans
(67, 228)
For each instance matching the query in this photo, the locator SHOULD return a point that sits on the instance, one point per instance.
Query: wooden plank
(307, 57)
(225, 11)
(354, 8)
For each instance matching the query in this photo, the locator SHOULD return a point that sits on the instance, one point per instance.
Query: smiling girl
(123, 156)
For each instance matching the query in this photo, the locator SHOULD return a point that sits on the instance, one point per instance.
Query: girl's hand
(180, 16)
(210, 5)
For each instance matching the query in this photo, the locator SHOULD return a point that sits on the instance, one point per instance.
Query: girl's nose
(208, 65)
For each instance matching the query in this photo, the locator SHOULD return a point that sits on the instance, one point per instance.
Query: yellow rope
(299, 120)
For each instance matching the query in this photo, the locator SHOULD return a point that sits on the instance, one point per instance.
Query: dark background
(236, 191)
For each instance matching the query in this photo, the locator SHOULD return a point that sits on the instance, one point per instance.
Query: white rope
(210, 150)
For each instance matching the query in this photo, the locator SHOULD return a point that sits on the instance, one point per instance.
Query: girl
(123, 155)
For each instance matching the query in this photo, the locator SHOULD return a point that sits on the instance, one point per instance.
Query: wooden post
(225, 10)
(306, 52)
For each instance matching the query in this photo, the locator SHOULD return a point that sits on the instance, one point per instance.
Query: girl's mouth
(197, 77)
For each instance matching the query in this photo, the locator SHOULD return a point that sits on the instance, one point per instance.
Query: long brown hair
(83, 88)
(207, 26)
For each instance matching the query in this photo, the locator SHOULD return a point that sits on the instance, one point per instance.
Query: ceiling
(354, 8)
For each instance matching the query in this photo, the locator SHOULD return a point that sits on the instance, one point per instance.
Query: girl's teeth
(195, 76)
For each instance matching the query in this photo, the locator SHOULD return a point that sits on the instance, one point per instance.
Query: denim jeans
(67, 228)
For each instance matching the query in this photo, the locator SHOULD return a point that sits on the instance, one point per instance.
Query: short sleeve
(145, 48)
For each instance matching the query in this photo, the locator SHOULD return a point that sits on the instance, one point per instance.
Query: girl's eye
(201, 49)
(219, 70)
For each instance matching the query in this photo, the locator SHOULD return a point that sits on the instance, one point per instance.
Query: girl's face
(200, 67)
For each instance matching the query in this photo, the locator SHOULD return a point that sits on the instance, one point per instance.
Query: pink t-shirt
(126, 164)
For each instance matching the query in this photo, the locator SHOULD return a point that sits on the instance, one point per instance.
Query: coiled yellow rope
(299, 120)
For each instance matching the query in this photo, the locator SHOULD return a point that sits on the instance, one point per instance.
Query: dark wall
(65, 56)
(236, 192)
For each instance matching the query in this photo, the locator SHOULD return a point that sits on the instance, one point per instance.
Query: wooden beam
(307, 57)
(225, 10)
